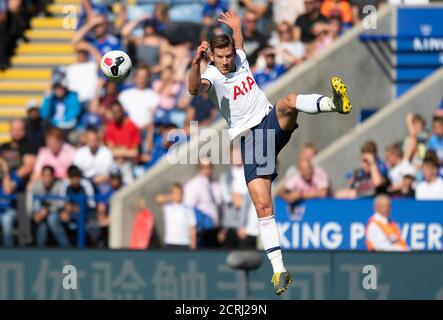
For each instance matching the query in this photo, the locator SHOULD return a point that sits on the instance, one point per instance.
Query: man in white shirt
(82, 77)
(266, 128)
(432, 187)
(94, 159)
(383, 234)
(398, 165)
(140, 103)
(204, 194)
(179, 220)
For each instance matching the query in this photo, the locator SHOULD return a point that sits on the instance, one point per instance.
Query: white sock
(314, 103)
(270, 238)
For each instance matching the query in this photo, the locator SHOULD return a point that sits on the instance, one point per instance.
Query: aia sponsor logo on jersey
(244, 88)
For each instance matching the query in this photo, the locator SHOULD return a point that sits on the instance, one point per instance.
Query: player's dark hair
(221, 41)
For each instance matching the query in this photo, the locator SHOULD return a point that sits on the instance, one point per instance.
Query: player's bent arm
(197, 85)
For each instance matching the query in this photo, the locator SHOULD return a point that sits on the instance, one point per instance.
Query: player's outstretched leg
(289, 106)
(316, 103)
(260, 191)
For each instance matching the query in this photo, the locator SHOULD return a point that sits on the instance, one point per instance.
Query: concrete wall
(347, 57)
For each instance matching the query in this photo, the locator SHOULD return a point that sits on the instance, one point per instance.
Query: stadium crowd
(90, 136)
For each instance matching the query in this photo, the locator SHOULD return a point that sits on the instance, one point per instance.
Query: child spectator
(179, 220)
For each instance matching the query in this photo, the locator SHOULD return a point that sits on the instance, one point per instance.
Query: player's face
(224, 59)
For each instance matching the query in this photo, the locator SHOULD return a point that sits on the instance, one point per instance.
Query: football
(116, 65)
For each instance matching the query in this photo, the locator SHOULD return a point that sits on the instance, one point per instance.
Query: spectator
(105, 192)
(61, 107)
(81, 77)
(254, 41)
(100, 37)
(45, 212)
(415, 143)
(436, 140)
(370, 179)
(56, 153)
(162, 142)
(432, 187)
(307, 183)
(236, 203)
(383, 234)
(305, 22)
(212, 10)
(12, 26)
(35, 127)
(179, 220)
(80, 196)
(91, 8)
(323, 38)
(140, 103)
(150, 47)
(94, 159)
(200, 109)
(288, 51)
(19, 153)
(167, 88)
(271, 71)
(263, 9)
(108, 93)
(206, 201)
(123, 138)
(287, 10)
(341, 8)
(92, 118)
(307, 152)
(7, 212)
(405, 189)
(4, 40)
(398, 166)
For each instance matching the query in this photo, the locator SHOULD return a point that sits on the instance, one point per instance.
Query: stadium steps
(64, 9)
(49, 46)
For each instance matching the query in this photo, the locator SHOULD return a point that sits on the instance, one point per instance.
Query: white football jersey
(241, 102)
